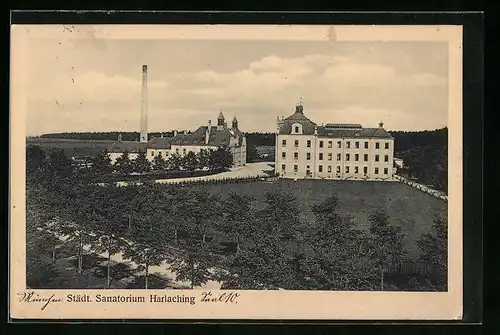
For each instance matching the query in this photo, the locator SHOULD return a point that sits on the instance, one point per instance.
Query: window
(356, 170)
(329, 168)
(296, 143)
(321, 144)
(320, 168)
(321, 156)
(295, 168)
(376, 170)
(387, 145)
(356, 145)
(347, 169)
(339, 144)
(338, 169)
(339, 157)
(386, 158)
(330, 156)
(366, 145)
(377, 145)
(348, 145)
(308, 156)
(283, 143)
(329, 144)
(283, 155)
(386, 171)
(365, 170)
(308, 143)
(366, 157)
(376, 158)
(356, 157)
(295, 155)
(283, 167)
(347, 157)
(296, 129)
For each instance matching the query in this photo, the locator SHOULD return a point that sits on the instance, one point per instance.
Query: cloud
(92, 87)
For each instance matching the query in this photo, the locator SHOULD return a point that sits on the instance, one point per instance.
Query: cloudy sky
(95, 84)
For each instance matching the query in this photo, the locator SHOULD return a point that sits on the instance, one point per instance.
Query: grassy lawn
(407, 207)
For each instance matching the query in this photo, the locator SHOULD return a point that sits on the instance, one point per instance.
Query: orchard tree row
(274, 247)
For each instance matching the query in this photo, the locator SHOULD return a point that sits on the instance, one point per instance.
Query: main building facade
(332, 151)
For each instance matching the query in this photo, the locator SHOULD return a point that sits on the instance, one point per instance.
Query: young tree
(190, 161)
(35, 158)
(174, 163)
(199, 254)
(123, 163)
(101, 164)
(203, 159)
(337, 260)
(159, 163)
(387, 247)
(141, 163)
(237, 217)
(147, 245)
(220, 158)
(434, 251)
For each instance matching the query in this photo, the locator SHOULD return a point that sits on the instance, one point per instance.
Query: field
(407, 207)
(73, 148)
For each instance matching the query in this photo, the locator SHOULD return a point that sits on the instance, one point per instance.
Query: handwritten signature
(227, 297)
(33, 297)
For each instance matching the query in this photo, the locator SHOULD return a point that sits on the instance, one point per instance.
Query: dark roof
(300, 118)
(216, 138)
(160, 143)
(354, 133)
(343, 125)
(130, 146)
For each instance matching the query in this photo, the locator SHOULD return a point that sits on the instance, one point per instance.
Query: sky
(87, 85)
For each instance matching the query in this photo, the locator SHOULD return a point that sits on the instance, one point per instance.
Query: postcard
(236, 172)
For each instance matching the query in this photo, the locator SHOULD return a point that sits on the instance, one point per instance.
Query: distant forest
(425, 153)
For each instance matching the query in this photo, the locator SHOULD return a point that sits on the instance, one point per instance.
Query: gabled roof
(129, 146)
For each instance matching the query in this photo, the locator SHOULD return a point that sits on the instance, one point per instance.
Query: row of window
(339, 144)
(339, 157)
(329, 169)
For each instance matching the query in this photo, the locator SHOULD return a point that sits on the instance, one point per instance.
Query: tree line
(273, 247)
(425, 155)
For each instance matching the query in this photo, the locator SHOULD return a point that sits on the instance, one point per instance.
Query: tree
(159, 163)
(35, 158)
(337, 261)
(387, 244)
(220, 158)
(237, 221)
(189, 161)
(101, 164)
(174, 162)
(199, 253)
(141, 164)
(147, 245)
(434, 251)
(252, 154)
(264, 262)
(203, 159)
(123, 163)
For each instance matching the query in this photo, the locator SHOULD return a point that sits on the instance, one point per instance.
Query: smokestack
(144, 105)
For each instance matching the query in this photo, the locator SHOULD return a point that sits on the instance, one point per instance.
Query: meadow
(406, 206)
(72, 148)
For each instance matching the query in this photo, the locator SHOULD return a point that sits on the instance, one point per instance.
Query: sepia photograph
(205, 164)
